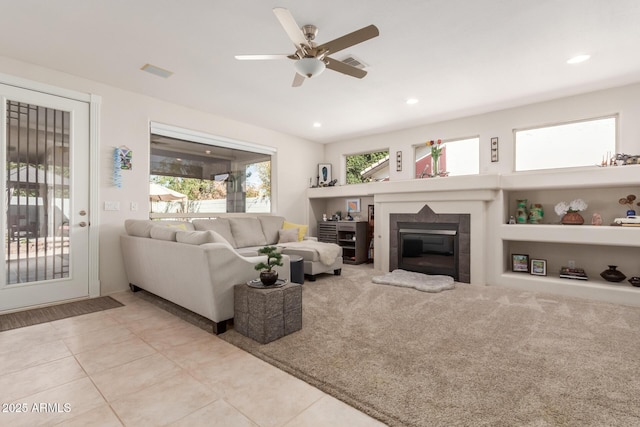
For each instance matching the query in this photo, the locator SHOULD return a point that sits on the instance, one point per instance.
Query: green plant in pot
(268, 276)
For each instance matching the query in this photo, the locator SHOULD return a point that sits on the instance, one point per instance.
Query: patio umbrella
(158, 193)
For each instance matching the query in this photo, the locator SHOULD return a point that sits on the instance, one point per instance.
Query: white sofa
(196, 264)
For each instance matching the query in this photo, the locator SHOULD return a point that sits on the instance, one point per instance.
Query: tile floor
(140, 366)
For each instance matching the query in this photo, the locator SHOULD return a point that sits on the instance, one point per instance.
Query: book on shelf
(573, 273)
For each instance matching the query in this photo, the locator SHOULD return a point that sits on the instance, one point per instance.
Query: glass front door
(45, 220)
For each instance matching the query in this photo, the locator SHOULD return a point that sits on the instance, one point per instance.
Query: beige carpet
(472, 356)
(35, 316)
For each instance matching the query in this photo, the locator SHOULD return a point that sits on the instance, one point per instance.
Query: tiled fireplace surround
(428, 216)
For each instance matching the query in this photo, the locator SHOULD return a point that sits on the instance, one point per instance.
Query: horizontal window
(583, 143)
(368, 167)
(457, 157)
(194, 173)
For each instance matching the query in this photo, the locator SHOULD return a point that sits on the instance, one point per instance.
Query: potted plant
(268, 276)
(570, 213)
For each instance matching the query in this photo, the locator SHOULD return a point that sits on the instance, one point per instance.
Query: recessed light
(317, 125)
(157, 71)
(578, 59)
(412, 101)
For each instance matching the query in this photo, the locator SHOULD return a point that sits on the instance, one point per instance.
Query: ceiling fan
(311, 58)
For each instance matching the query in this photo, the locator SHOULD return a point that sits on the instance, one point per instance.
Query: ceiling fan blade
(350, 39)
(343, 68)
(260, 57)
(297, 80)
(290, 26)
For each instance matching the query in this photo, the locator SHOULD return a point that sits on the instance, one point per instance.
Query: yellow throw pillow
(302, 229)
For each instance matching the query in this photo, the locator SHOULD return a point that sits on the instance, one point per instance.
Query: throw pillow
(164, 233)
(201, 237)
(302, 229)
(142, 227)
(288, 235)
(194, 237)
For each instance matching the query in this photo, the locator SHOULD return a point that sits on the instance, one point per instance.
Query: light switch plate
(111, 206)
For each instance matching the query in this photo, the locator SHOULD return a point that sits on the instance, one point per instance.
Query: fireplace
(431, 243)
(428, 248)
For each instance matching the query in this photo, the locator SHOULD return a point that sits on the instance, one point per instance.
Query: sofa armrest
(228, 268)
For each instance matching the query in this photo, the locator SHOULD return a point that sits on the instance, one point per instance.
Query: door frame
(94, 102)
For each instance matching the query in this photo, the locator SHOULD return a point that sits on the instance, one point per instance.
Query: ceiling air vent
(354, 62)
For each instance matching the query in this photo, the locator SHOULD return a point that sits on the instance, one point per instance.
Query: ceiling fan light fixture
(309, 67)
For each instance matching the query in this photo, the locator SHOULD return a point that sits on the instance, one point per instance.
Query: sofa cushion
(247, 232)
(194, 237)
(270, 227)
(302, 229)
(200, 237)
(288, 235)
(164, 233)
(142, 227)
(219, 225)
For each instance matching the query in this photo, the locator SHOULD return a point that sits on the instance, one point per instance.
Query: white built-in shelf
(576, 234)
(498, 188)
(587, 177)
(594, 288)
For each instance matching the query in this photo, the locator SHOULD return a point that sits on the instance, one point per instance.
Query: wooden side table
(265, 315)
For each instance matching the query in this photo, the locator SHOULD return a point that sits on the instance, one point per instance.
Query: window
(368, 167)
(458, 157)
(584, 143)
(202, 174)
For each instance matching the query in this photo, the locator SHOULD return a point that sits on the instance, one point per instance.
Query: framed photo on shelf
(520, 263)
(324, 173)
(539, 267)
(353, 205)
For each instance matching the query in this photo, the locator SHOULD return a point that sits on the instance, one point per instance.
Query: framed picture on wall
(494, 149)
(520, 263)
(324, 173)
(353, 205)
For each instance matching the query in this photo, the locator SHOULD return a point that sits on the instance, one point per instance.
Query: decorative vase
(268, 278)
(635, 281)
(435, 167)
(535, 213)
(522, 214)
(572, 218)
(613, 275)
(631, 212)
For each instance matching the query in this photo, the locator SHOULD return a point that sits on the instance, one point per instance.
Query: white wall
(623, 100)
(124, 120)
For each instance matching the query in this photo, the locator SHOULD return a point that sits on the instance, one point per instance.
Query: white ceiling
(459, 57)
